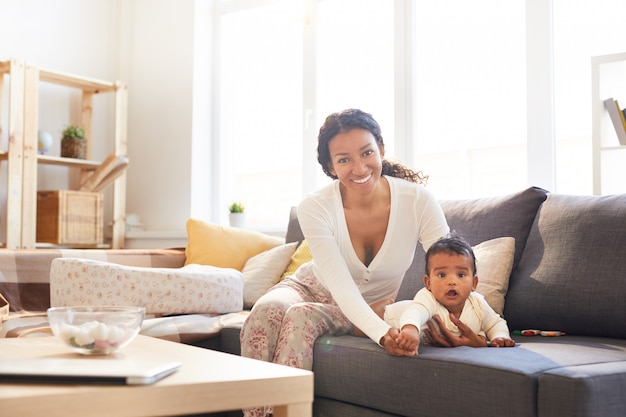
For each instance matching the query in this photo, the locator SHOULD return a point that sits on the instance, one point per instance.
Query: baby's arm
(502, 342)
(499, 334)
(415, 314)
(496, 328)
(409, 338)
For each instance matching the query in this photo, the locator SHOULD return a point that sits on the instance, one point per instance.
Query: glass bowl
(96, 330)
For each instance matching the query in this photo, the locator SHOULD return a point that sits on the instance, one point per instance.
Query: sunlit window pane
(261, 94)
(261, 111)
(583, 29)
(471, 96)
(355, 60)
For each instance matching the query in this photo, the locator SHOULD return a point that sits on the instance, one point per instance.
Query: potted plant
(237, 216)
(73, 142)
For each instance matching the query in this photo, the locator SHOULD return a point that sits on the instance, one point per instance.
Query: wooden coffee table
(207, 381)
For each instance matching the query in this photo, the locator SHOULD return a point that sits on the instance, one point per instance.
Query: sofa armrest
(25, 273)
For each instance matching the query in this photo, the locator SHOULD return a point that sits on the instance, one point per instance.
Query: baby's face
(451, 280)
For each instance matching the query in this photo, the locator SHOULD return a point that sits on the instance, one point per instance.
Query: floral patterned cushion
(189, 289)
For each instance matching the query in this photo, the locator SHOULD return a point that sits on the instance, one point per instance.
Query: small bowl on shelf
(96, 330)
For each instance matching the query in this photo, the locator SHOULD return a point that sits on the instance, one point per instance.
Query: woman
(362, 230)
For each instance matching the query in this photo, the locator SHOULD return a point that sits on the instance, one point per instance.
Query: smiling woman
(362, 229)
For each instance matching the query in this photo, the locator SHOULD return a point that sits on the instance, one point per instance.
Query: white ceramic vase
(237, 219)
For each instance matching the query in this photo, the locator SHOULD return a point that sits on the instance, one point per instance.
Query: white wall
(159, 53)
(147, 44)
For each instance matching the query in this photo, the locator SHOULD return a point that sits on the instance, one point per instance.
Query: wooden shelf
(57, 160)
(608, 79)
(23, 161)
(86, 84)
(68, 162)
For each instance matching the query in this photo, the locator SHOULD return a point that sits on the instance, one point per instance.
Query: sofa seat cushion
(186, 328)
(190, 328)
(480, 220)
(190, 289)
(25, 325)
(571, 275)
(356, 370)
(584, 390)
(324, 407)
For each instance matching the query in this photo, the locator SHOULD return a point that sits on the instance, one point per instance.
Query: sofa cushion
(302, 255)
(264, 270)
(190, 289)
(494, 260)
(596, 389)
(25, 273)
(225, 247)
(356, 370)
(479, 220)
(571, 275)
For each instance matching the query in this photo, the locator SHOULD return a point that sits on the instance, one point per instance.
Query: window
(286, 64)
(267, 152)
(260, 116)
(581, 30)
(355, 57)
(471, 97)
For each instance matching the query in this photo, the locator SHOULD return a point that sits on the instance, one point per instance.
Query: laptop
(84, 370)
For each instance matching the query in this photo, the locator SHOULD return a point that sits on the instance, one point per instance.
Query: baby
(450, 284)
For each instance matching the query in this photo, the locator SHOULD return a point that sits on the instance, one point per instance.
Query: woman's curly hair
(347, 120)
(398, 170)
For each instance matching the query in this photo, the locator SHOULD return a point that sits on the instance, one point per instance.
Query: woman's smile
(363, 180)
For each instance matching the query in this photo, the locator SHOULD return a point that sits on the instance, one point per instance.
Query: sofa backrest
(569, 264)
(479, 220)
(572, 274)
(294, 233)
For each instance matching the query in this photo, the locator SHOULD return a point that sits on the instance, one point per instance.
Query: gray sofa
(569, 274)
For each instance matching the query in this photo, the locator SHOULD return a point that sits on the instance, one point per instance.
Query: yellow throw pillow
(224, 247)
(302, 255)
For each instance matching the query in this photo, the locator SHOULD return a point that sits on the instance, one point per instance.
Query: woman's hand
(388, 341)
(439, 335)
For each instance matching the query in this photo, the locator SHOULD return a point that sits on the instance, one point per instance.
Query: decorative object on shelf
(70, 218)
(237, 215)
(618, 118)
(44, 141)
(104, 175)
(133, 223)
(73, 143)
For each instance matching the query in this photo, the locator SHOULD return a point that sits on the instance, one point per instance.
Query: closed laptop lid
(85, 370)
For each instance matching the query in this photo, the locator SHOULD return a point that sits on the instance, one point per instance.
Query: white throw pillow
(494, 260)
(262, 271)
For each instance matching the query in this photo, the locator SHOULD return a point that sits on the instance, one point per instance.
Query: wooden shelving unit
(23, 160)
(608, 80)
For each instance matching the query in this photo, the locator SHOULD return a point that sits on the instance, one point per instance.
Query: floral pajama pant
(284, 323)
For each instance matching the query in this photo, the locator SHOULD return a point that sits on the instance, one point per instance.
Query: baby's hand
(502, 342)
(408, 338)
